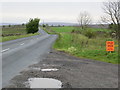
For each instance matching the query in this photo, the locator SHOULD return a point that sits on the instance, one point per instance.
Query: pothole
(44, 70)
(48, 70)
(43, 83)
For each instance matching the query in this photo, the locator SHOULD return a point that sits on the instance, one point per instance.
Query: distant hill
(8, 24)
(49, 23)
(75, 24)
(59, 23)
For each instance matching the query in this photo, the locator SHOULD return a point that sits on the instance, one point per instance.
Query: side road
(72, 72)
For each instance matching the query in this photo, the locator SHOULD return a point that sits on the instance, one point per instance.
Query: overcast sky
(20, 12)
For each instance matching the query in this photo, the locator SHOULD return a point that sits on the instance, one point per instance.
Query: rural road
(73, 72)
(19, 54)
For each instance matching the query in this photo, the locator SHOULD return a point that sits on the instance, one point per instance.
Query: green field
(14, 32)
(13, 29)
(62, 29)
(8, 38)
(77, 42)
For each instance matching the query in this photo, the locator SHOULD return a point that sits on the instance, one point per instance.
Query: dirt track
(73, 72)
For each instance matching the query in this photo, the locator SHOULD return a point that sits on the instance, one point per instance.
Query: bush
(76, 31)
(89, 33)
(44, 25)
(23, 24)
(115, 29)
(32, 25)
(9, 25)
(111, 26)
(3, 26)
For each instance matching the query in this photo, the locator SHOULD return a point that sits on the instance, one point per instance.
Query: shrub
(89, 33)
(9, 25)
(44, 25)
(76, 31)
(23, 24)
(111, 26)
(3, 26)
(32, 25)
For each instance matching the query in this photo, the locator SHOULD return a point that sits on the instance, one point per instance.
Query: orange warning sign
(109, 45)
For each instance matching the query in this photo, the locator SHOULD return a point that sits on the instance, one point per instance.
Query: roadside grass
(8, 38)
(48, 30)
(57, 30)
(79, 45)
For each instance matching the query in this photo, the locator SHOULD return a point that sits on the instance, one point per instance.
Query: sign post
(110, 46)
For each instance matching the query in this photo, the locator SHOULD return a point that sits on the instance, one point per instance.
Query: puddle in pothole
(43, 83)
(52, 69)
(44, 70)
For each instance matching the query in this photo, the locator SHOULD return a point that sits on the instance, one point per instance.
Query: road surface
(19, 54)
(73, 72)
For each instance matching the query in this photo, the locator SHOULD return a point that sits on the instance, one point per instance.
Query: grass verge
(81, 45)
(8, 38)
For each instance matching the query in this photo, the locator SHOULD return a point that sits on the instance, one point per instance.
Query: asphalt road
(73, 72)
(19, 54)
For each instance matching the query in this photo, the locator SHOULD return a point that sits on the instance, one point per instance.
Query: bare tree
(112, 10)
(84, 19)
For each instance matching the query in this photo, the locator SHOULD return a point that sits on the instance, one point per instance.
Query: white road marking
(22, 44)
(5, 50)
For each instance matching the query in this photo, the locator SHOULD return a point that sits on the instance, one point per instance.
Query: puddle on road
(52, 69)
(43, 83)
(44, 70)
